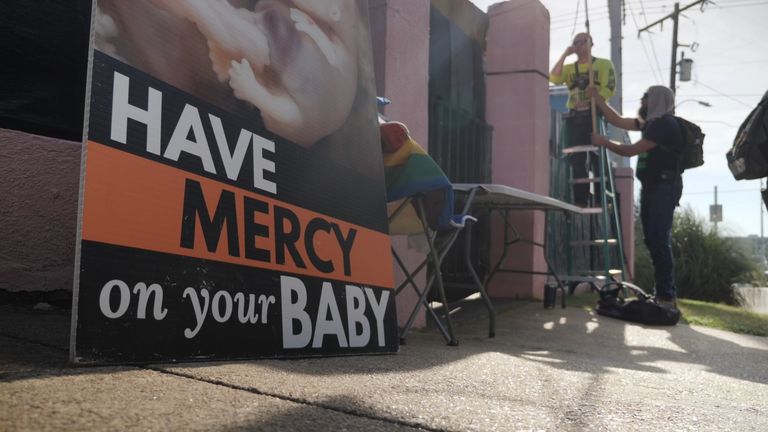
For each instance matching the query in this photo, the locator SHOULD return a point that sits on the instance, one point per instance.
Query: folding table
(489, 198)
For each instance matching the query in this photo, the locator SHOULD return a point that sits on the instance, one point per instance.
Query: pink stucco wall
(518, 109)
(406, 66)
(405, 81)
(38, 211)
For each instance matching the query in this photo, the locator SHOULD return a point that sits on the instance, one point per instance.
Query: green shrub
(705, 264)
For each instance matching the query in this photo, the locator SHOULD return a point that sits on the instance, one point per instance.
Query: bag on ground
(748, 158)
(642, 309)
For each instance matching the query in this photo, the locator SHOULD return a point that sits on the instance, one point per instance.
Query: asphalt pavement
(546, 369)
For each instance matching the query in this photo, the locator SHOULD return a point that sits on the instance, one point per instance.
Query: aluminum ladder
(595, 252)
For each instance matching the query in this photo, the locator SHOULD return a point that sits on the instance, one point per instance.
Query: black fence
(460, 143)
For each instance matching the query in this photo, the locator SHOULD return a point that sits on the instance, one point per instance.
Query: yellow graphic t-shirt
(576, 77)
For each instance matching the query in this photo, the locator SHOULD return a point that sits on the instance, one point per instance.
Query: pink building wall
(403, 77)
(518, 109)
(38, 211)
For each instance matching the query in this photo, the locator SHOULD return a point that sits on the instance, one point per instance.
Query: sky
(730, 72)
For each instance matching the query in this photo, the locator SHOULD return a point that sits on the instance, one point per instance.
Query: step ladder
(591, 242)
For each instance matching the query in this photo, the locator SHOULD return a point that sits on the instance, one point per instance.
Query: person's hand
(570, 50)
(594, 92)
(599, 140)
(579, 105)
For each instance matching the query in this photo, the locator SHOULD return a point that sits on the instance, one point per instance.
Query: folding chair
(440, 242)
(418, 191)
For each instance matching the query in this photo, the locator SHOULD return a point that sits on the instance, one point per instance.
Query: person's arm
(635, 149)
(626, 123)
(556, 74)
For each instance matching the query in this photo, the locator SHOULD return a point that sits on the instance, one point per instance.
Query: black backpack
(748, 158)
(692, 154)
(642, 310)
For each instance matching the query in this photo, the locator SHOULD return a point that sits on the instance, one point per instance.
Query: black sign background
(128, 339)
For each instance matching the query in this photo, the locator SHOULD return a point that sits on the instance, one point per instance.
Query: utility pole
(716, 207)
(614, 12)
(715, 212)
(674, 16)
(673, 71)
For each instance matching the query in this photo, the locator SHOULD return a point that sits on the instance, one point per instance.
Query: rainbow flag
(409, 170)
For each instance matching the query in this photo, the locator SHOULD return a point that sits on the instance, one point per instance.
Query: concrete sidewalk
(561, 369)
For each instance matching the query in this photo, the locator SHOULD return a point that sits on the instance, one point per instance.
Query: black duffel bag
(748, 158)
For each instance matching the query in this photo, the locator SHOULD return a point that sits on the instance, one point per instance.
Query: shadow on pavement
(34, 343)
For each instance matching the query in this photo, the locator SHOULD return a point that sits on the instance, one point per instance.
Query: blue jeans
(657, 207)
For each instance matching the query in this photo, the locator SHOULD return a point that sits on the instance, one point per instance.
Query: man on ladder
(579, 120)
(603, 258)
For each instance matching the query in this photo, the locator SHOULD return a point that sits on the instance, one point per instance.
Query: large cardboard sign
(232, 198)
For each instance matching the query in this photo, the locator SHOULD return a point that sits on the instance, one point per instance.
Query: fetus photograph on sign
(296, 63)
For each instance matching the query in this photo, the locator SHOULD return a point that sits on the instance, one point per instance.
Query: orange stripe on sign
(135, 202)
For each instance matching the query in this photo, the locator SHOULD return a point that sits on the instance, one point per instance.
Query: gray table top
(506, 197)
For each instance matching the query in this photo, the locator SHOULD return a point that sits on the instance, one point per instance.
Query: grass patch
(723, 317)
(714, 315)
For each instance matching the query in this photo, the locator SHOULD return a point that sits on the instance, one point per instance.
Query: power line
(674, 16)
(725, 95)
(743, 3)
(568, 15)
(642, 44)
(723, 191)
(601, 17)
(653, 45)
(576, 17)
(661, 8)
(700, 66)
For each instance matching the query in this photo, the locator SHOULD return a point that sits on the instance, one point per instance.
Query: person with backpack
(659, 170)
(579, 120)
